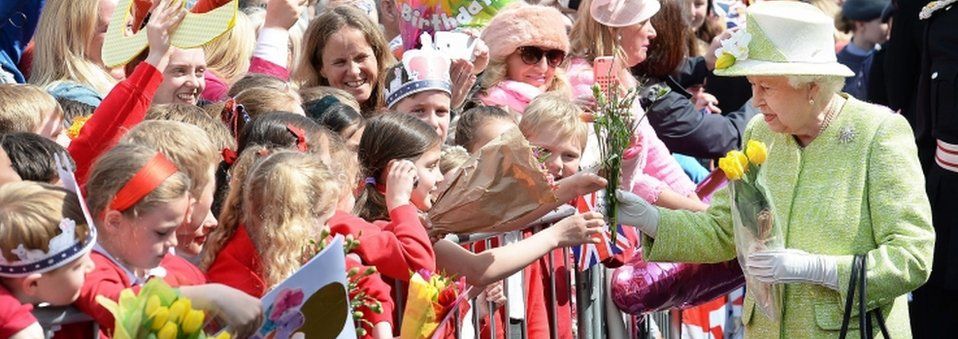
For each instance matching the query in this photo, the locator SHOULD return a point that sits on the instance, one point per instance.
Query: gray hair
(829, 84)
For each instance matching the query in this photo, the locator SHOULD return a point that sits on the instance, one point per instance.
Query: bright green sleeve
(699, 237)
(900, 216)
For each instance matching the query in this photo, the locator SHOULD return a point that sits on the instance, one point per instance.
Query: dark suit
(936, 121)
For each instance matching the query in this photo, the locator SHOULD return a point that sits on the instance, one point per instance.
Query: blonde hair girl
(288, 197)
(68, 41)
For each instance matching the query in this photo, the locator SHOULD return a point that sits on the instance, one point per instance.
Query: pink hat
(623, 13)
(525, 25)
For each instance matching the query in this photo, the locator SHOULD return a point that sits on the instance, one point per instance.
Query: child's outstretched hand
(579, 184)
(577, 229)
(241, 312)
(401, 178)
(159, 31)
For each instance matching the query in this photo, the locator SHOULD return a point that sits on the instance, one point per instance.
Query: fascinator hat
(781, 38)
(623, 13)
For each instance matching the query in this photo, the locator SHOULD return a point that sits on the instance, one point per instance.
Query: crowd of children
(211, 168)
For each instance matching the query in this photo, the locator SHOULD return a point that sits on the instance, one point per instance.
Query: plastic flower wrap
(157, 312)
(753, 220)
(614, 125)
(430, 299)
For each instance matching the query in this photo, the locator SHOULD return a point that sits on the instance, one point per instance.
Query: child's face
(62, 286)
(432, 107)
(565, 153)
(52, 127)
(488, 130)
(873, 31)
(183, 78)
(191, 236)
(141, 242)
(7, 173)
(427, 169)
(353, 134)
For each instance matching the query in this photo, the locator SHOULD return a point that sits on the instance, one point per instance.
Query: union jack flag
(590, 254)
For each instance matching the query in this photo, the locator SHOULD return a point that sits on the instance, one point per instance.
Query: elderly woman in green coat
(843, 179)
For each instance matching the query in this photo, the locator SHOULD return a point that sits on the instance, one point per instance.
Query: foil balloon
(641, 287)
(430, 16)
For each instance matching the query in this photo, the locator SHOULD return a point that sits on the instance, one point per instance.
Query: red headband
(147, 179)
(300, 135)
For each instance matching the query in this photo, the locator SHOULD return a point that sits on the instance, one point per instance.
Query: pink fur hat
(525, 25)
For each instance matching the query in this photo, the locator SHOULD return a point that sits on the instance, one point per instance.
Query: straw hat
(623, 13)
(781, 38)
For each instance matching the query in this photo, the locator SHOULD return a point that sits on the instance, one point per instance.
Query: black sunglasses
(531, 55)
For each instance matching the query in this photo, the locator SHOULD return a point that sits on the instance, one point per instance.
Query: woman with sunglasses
(527, 45)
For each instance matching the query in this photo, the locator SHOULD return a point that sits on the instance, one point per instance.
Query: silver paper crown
(63, 248)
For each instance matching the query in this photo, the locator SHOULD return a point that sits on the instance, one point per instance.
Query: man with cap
(862, 18)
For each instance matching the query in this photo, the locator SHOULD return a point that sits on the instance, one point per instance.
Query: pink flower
(286, 300)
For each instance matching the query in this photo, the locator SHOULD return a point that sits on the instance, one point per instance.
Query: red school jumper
(238, 265)
(395, 247)
(14, 316)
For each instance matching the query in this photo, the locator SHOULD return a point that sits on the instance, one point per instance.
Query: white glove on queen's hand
(793, 266)
(633, 211)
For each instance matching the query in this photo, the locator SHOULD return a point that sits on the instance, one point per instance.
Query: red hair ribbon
(300, 135)
(147, 179)
(229, 156)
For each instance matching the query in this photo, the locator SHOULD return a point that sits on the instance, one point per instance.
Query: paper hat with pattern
(421, 70)
(63, 248)
(781, 38)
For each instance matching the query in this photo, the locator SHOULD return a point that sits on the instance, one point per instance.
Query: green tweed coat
(839, 196)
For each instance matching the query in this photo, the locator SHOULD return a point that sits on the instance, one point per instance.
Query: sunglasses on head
(531, 55)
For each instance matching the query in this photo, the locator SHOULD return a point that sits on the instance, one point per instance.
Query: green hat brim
(769, 68)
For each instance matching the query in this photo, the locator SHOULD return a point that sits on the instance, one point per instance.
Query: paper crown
(63, 248)
(194, 31)
(423, 69)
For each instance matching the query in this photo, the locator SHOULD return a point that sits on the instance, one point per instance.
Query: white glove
(793, 266)
(634, 211)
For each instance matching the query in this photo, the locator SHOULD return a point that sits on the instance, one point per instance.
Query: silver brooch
(846, 135)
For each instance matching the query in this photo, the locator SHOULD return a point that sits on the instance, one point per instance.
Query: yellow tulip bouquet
(753, 219)
(432, 299)
(157, 312)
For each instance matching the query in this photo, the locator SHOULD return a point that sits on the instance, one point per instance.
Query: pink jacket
(649, 165)
(513, 95)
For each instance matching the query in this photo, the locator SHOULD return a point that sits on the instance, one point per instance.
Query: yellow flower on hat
(724, 61)
(756, 152)
(74, 131)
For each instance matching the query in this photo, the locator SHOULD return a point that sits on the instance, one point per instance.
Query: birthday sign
(419, 16)
(194, 31)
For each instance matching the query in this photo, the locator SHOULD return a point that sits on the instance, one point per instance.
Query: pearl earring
(811, 102)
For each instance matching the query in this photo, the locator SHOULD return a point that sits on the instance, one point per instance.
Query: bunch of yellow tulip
(158, 312)
(736, 164)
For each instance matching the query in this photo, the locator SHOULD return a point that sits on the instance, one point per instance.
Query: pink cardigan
(649, 165)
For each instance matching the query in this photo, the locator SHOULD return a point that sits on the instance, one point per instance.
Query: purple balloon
(641, 287)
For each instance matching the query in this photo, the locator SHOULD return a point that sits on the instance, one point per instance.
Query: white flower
(736, 45)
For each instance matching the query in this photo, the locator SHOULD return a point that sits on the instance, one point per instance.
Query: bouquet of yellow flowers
(753, 219)
(158, 312)
(431, 298)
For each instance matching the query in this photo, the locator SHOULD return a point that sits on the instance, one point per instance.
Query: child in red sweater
(45, 243)
(401, 154)
(139, 198)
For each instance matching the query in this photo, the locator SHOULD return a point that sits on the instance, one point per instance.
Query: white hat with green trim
(781, 38)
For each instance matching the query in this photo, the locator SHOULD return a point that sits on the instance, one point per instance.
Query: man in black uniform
(933, 310)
